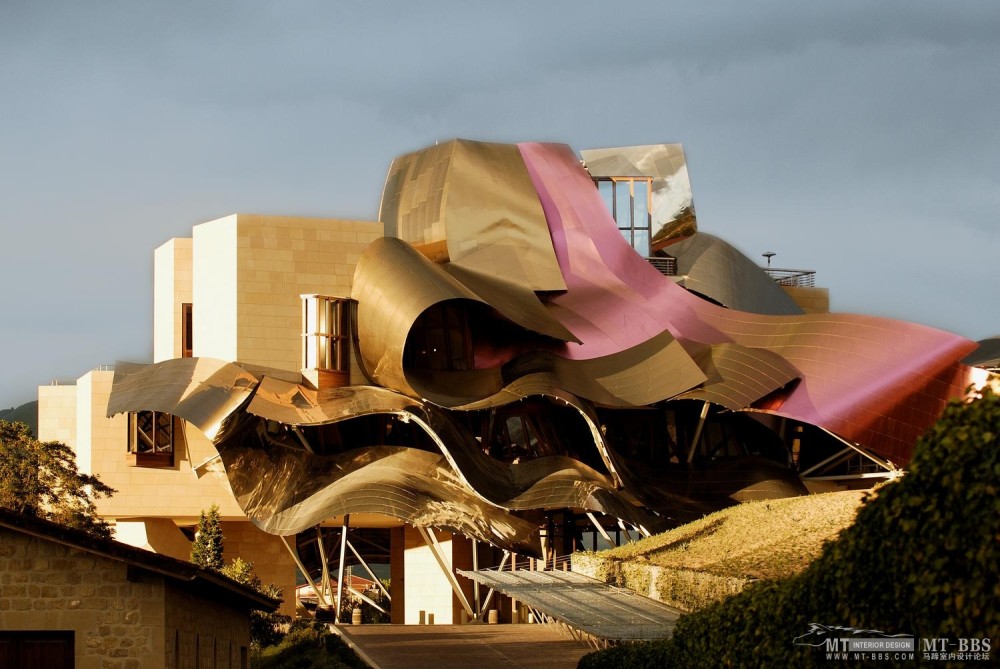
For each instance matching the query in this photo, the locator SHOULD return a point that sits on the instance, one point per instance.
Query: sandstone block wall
(118, 623)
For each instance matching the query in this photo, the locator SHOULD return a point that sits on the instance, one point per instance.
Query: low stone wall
(684, 589)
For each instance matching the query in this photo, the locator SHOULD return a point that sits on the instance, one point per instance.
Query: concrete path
(478, 646)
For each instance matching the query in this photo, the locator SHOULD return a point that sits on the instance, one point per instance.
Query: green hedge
(920, 559)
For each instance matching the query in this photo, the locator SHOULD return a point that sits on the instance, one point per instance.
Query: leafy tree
(265, 628)
(206, 551)
(41, 479)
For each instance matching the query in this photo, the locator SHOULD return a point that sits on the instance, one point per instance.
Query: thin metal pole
(438, 552)
(884, 464)
(364, 564)
(305, 572)
(475, 583)
(340, 567)
(365, 598)
(697, 432)
(325, 570)
(839, 455)
(600, 528)
(489, 595)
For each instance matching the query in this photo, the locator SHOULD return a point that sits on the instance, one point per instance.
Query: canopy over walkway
(604, 612)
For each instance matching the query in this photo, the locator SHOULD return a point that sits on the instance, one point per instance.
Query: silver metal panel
(472, 203)
(202, 391)
(285, 491)
(986, 356)
(715, 269)
(738, 376)
(672, 208)
(294, 404)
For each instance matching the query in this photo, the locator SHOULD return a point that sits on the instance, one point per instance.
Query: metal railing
(801, 278)
(666, 266)
(515, 562)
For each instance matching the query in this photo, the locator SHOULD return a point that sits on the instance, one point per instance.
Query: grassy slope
(757, 540)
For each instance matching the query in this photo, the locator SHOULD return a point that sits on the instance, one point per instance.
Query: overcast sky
(857, 139)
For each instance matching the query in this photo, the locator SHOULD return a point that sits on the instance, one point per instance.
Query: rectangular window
(628, 199)
(151, 438)
(187, 331)
(326, 333)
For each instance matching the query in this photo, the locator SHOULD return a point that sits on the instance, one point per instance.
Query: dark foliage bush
(309, 645)
(921, 559)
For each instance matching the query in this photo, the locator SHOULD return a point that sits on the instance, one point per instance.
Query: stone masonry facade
(123, 617)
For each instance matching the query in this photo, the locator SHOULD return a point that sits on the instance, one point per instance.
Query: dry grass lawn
(757, 540)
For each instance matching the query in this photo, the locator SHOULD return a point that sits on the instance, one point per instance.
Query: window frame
(327, 333)
(187, 330)
(156, 455)
(624, 213)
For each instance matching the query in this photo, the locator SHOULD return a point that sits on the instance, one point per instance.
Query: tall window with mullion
(628, 200)
(327, 333)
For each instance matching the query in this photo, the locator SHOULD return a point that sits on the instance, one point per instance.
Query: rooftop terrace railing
(800, 278)
(666, 266)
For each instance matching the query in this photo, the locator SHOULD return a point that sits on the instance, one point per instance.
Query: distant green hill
(26, 413)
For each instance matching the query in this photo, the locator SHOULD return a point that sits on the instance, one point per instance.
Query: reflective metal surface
(202, 391)
(284, 491)
(387, 309)
(709, 266)
(471, 203)
(295, 404)
(739, 376)
(672, 205)
(525, 360)
(987, 355)
(873, 381)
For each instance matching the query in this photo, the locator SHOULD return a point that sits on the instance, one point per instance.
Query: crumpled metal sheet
(551, 482)
(295, 404)
(646, 372)
(713, 268)
(387, 309)
(650, 372)
(739, 376)
(672, 207)
(872, 381)
(471, 203)
(202, 391)
(285, 490)
(987, 355)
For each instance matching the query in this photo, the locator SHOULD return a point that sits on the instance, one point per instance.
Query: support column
(340, 568)
(697, 432)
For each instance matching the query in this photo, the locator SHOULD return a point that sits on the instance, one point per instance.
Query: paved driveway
(477, 646)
